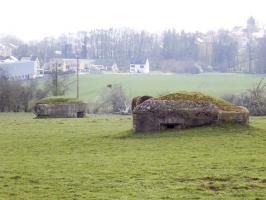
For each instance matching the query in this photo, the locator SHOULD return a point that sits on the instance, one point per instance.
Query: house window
(141, 66)
(133, 66)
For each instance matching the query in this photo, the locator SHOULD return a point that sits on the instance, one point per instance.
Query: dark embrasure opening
(166, 126)
(80, 114)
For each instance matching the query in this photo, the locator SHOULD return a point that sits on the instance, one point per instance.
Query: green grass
(58, 99)
(216, 84)
(99, 157)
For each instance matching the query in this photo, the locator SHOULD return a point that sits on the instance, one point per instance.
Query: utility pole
(56, 79)
(77, 77)
(57, 54)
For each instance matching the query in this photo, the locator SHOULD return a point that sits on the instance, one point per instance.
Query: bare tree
(113, 99)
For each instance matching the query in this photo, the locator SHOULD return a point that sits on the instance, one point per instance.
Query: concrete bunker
(185, 109)
(61, 107)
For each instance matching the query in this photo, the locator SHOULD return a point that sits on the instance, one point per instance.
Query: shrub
(113, 99)
(180, 66)
(253, 99)
(18, 96)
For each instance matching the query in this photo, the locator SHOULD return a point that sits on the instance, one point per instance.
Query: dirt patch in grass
(34, 181)
(263, 180)
(213, 186)
(15, 177)
(252, 179)
(219, 179)
(214, 183)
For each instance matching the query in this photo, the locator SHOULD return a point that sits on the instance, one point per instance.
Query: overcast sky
(34, 19)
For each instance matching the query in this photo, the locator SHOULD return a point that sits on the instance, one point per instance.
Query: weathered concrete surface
(155, 115)
(65, 110)
(138, 100)
(241, 117)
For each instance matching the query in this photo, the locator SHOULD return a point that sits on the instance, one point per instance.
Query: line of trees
(168, 51)
(17, 96)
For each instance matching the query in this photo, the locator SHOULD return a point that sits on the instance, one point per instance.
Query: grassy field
(99, 157)
(216, 84)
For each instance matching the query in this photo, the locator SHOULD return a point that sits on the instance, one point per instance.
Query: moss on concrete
(58, 100)
(197, 96)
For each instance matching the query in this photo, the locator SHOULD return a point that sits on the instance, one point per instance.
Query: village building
(96, 69)
(68, 65)
(26, 68)
(140, 68)
(71, 64)
(115, 68)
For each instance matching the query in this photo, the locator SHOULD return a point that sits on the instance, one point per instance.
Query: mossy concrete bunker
(60, 107)
(183, 110)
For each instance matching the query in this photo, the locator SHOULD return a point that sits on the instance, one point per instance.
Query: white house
(22, 69)
(140, 68)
